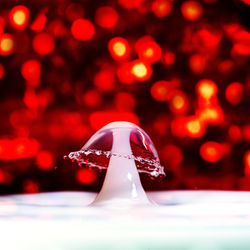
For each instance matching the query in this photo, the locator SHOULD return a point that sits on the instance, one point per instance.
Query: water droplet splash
(123, 149)
(97, 151)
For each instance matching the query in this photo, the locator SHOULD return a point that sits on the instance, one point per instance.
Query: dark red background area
(60, 84)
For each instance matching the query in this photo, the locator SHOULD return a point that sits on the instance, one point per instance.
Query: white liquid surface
(183, 220)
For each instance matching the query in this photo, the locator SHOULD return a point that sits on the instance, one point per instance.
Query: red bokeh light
(99, 119)
(82, 29)
(194, 127)
(85, 176)
(119, 48)
(191, 10)
(148, 50)
(141, 70)
(124, 102)
(162, 90)
(105, 80)
(197, 63)
(30, 186)
(18, 148)
(178, 102)
(124, 73)
(44, 160)
(234, 133)
(247, 163)
(168, 58)
(234, 92)
(39, 23)
(211, 151)
(162, 8)
(19, 17)
(2, 176)
(246, 2)
(7, 44)
(178, 127)
(2, 23)
(92, 98)
(106, 17)
(246, 132)
(2, 71)
(172, 154)
(31, 71)
(211, 115)
(206, 89)
(43, 44)
(74, 11)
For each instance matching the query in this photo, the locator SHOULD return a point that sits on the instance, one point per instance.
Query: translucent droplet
(99, 149)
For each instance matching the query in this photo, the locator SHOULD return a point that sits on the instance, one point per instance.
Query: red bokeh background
(179, 69)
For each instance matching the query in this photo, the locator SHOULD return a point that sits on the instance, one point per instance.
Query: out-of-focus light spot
(172, 154)
(197, 63)
(2, 23)
(211, 115)
(225, 66)
(43, 44)
(18, 148)
(191, 10)
(106, 17)
(2, 176)
(92, 98)
(178, 127)
(39, 23)
(141, 70)
(130, 4)
(101, 118)
(162, 90)
(148, 50)
(30, 186)
(178, 102)
(7, 45)
(246, 132)
(234, 92)
(74, 11)
(2, 71)
(82, 29)
(19, 17)
(44, 160)
(234, 133)
(162, 8)
(31, 71)
(85, 176)
(195, 128)
(119, 48)
(211, 151)
(168, 58)
(241, 49)
(160, 124)
(105, 80)
(57, 28)
(206, 39)
(124, 73)
(206, 88)
(124, 102)
(247, 163)
(30, 99)
(246, 2)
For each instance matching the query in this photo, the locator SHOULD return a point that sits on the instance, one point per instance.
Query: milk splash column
(122, 185)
